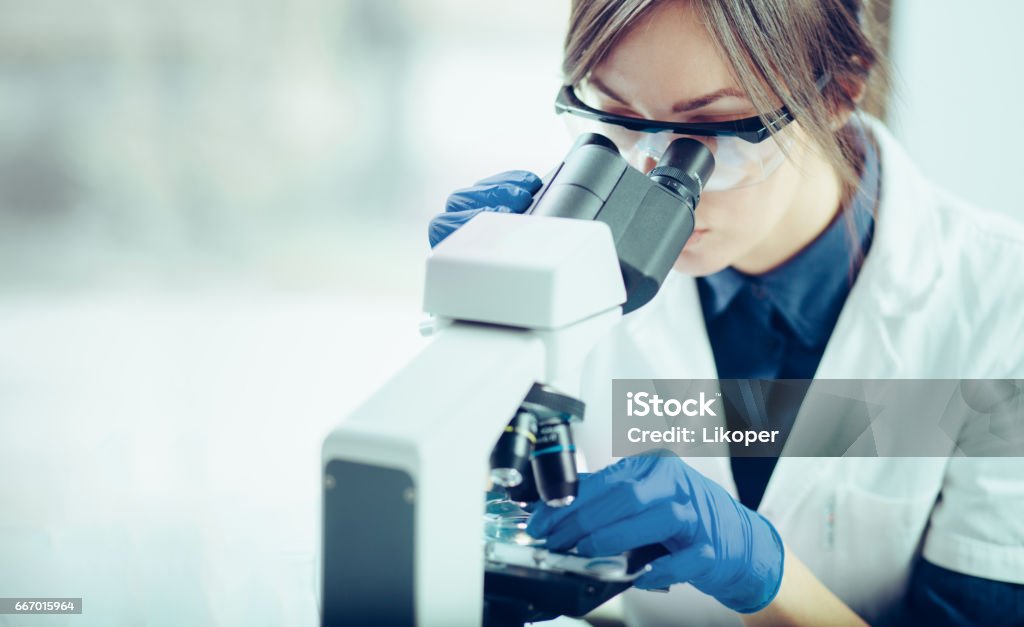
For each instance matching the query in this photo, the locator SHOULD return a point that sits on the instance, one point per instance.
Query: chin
(697, 264)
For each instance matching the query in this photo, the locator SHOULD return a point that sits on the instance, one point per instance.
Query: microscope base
(515, 596)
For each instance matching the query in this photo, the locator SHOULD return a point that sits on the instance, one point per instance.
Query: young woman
(818, 252)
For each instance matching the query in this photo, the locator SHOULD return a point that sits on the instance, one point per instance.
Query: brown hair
(778, 50)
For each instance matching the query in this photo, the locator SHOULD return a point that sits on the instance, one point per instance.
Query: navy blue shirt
(776, 325)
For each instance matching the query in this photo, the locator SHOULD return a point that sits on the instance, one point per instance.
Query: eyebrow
(683, 105)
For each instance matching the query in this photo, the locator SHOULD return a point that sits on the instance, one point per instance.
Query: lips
(696, 236)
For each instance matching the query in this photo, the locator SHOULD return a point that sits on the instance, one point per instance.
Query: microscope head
(650, 215)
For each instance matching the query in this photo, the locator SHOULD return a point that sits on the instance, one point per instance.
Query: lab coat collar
(897, 277)
(899, 270)
(902, 265)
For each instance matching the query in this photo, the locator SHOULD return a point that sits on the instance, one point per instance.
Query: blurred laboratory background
(212, 230)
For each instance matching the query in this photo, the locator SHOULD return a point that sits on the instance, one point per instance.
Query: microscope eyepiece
(595, 139)
(686, 165)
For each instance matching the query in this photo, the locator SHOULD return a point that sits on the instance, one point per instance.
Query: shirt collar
(808, 290)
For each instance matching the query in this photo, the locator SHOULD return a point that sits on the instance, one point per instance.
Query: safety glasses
(752, 130)
(746, 151)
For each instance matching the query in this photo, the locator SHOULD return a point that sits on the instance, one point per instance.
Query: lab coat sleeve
(977, 527)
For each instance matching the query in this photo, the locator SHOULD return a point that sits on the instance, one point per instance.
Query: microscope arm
(404, 476)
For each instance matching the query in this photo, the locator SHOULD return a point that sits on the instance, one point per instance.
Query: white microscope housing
(520, 299)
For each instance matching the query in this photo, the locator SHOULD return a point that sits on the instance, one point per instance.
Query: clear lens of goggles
(738, 163)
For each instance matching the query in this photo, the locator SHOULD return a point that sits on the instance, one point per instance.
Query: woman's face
(668, 68)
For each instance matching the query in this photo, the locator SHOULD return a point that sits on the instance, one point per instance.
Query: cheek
(753, 208)
(732, 225)
(738, 221)
(742, 212)
(731, 211)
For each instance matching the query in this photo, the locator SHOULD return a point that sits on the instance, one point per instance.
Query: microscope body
(405, 474)
(520, 300)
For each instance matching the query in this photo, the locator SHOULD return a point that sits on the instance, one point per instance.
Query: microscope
(519, 301)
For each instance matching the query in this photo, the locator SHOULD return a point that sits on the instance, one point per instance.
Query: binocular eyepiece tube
(651, 216)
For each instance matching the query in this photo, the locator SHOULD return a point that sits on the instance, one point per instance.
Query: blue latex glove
(724, 549)
(508, 192)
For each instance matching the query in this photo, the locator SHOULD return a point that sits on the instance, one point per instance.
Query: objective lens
(510, 457)
(554, 463)
(525, 492)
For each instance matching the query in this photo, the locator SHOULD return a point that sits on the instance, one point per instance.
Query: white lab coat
(940, 295)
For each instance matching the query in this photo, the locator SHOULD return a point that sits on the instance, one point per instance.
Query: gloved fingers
(520, 178)
(658, 576)
(515, 195)
(444, 224)
(533, 506)
(486, 196)
(508, 192)
(604, 496)
(545, 517)
(634, 467)
(616, 501)
(655, 524)
(659, 464)
(691, 563)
